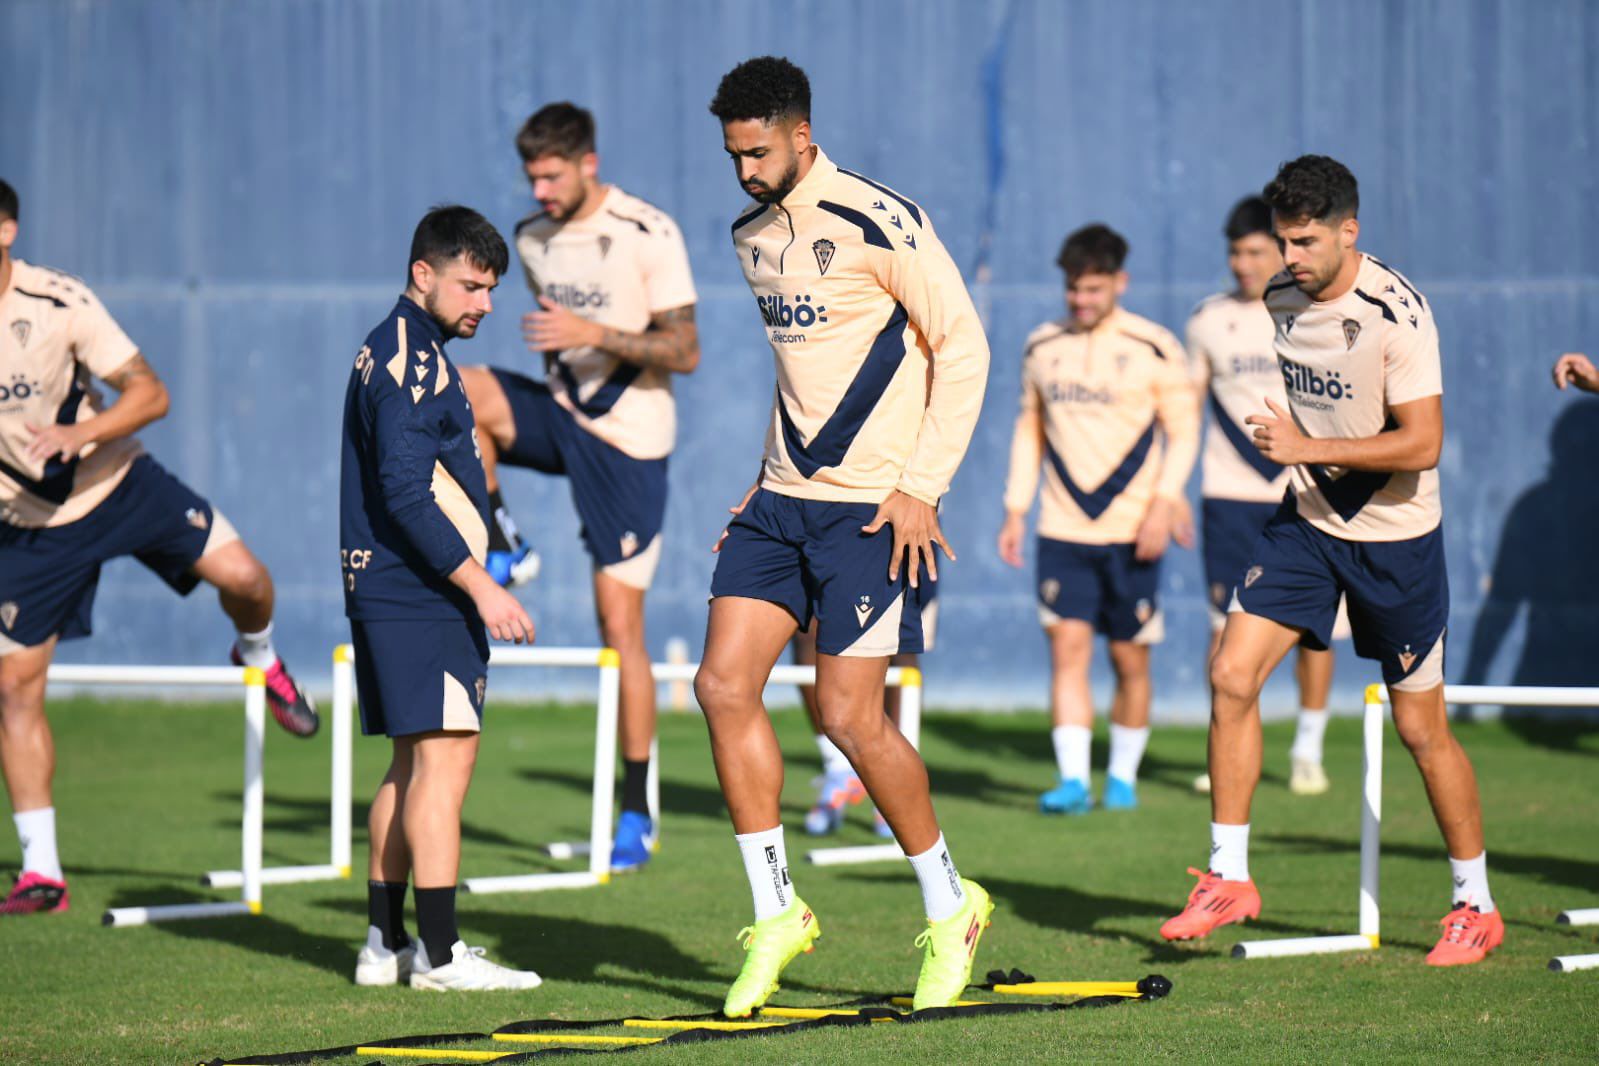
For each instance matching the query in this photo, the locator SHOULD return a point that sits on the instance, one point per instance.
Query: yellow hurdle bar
(1071, 988)
(563, 1038)
(652, 1023)
(805, 1013)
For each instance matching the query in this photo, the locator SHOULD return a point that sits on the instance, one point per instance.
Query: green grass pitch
(147, 795)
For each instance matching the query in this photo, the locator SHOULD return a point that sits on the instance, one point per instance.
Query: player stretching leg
(1096, 388)
(76, 491)
(881, 366)
(413, 532)
(1362, 432)
(1229, 343)
(616, 322)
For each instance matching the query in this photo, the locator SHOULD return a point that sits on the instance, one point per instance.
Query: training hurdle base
(254, 683)
(1368, 937)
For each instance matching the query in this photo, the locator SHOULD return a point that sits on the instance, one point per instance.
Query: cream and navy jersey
(413, 504)
(618, 266)
(1346, 363)
(1234, 368)
(1109, 414)
(881, 358)
(55, 339)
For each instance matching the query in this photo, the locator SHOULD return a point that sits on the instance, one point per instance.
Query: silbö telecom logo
(783, 313)
(1312, 388)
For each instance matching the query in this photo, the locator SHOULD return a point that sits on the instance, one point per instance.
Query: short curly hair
(1316, 187)
(767, 88)
(1094, 249)
(9, 207)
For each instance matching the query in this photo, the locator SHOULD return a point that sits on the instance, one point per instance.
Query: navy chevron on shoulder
(833, 440)
(870, 230)
(1387, 312)
(1094, 503)
(744, 220)
(915, 212)
(1241, 443)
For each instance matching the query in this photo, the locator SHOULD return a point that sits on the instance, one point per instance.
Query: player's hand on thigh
(916, 530)
(735, 512)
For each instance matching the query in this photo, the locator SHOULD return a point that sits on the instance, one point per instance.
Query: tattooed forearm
(670, 342)
(134, 370)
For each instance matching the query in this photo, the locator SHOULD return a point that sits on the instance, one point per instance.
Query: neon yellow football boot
(769, 946)
(951, 948)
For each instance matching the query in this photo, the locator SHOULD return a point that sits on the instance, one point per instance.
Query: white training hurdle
(608, 699)
(1371, 820)
(254, 683)
(340, 793)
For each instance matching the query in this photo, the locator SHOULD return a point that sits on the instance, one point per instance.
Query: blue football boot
(635, 842)
(1068, 797)
(1120, 795)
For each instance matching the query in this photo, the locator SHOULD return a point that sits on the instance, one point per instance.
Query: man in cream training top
(1362, 432)
(76, 491)
(1229, 345)
(1108, 412)
(615, 323)
(881, 366)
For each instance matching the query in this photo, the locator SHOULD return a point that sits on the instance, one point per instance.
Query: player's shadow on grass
(572, 949)
(1548, 869)
(1060, 906)
(262, 933)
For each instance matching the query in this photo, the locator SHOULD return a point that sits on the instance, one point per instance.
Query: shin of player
(1106, 412)
(77, 490)
(413, 534)
(1230, 353)
(1361, 432)
(881, 365)
(614, 325)
(839, 786)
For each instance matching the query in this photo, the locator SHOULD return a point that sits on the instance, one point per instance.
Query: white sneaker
(377, 965)
(1202, 784)
(469, 971)
(1307, 778)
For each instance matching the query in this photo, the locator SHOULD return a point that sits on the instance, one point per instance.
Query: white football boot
(376, 965)
(469, 971)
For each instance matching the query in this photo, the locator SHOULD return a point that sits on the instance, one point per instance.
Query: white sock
(256, 648)
(1071, 751)
(1229, 851)
(1471, 882)
(1126, 751)
(942, 894)
(833, 760)
(1312, 726)
(36, 830)
(766, 865)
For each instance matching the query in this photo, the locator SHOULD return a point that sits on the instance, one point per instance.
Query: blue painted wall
(239, 182)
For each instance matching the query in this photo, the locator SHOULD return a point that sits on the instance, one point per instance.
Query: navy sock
(435, 922)
(385, 910)
(635, 776)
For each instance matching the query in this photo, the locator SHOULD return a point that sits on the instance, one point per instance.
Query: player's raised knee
(717, 692)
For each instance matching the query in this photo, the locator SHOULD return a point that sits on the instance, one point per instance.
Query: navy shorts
(420, 675)
(1229, 529)
(620, 500)
(811, 559)
(1397, 593)
(48, 577)
(1103, 585)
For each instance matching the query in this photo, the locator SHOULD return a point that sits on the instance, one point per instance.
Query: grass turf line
(147, 796)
